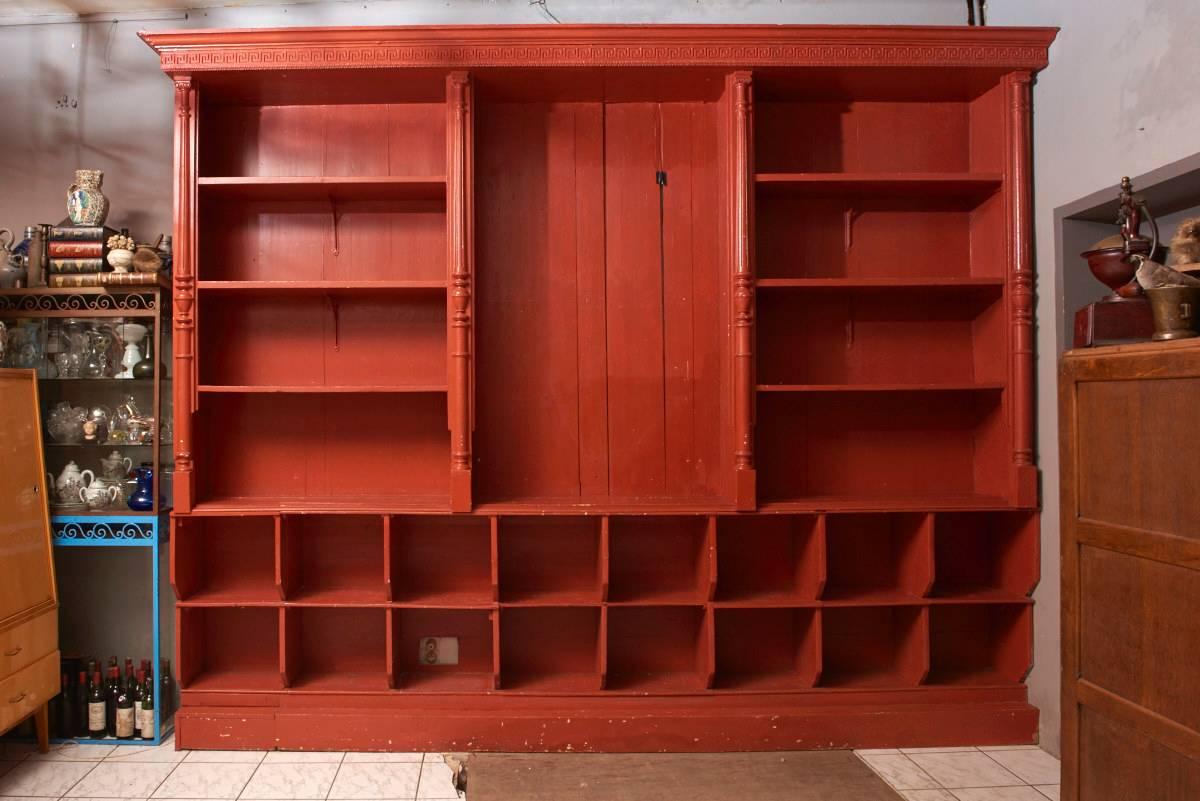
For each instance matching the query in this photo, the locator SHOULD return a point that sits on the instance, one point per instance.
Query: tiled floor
(73, 772)
(990, 773)
(1013, 773)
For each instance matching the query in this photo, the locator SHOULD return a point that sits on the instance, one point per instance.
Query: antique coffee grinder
(1124, 314)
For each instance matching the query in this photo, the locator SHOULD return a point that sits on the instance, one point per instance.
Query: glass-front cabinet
(102, 357)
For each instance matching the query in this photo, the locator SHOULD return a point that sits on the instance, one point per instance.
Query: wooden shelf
(320, 389)
(910, 184)
(554, 683)
(361, 504)
(455, 682)
(988, 387)
(316, 187)
(884, 503)
(890, 284)
(340, 681)
(284, 287)
(236, 680)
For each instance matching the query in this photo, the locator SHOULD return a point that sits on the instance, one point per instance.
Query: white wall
(1119, 98)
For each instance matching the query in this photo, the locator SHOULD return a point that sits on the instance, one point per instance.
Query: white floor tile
(376, 780)
(876, 751)
(927, 795)
(1022, 793)
(163, 753)
(382, 756)
(14, 752)
(897, 770)
(946, 749)
(965, 770)
(1034, 767)
(119, 780)
(5, 767)
(295, 757)
(291, 781)
(1008, 748)
(44, 779)
(73, 752)
(437, 780)
(206, 780)
(244, 757)
(1051, 791)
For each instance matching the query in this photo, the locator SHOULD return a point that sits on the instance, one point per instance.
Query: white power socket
(438, 651)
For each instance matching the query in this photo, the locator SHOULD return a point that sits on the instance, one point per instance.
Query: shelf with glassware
(100, 355)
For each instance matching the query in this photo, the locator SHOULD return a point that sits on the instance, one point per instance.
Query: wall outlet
(438, 651)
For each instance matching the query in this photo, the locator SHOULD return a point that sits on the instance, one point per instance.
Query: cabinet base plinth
(633, 727)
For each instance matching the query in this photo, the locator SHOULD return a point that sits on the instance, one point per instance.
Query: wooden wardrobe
(29, 657)
(603, 387)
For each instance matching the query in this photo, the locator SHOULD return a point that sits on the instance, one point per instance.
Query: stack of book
(78, 249)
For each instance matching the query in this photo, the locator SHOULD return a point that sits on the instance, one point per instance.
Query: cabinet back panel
(853, 136)
(297, 446)
(287, 240)
(602, 337)
(339, 140)
(472, 628)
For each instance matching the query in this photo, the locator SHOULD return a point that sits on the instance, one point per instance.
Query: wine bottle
(139, 692)
(97, 707)
(124, 712)
(148, 708)
(81, 705)
(166, 693)
(111, 691)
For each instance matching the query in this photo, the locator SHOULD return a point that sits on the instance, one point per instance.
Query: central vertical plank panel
(538, 267)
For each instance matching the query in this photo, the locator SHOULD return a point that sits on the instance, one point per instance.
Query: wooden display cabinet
(682, 375)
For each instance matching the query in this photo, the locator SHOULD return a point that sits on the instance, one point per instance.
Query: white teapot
(69, 484)
(98, 494)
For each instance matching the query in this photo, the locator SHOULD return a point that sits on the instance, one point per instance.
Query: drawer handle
(13, 651)
(16, 699)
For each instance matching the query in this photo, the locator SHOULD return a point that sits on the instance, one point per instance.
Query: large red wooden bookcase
(683, 374)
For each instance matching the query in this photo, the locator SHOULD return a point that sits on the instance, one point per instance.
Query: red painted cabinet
(603, 388)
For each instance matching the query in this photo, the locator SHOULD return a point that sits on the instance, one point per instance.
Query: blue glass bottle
(142, 499)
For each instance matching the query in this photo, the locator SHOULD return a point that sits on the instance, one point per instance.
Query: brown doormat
(786, 776)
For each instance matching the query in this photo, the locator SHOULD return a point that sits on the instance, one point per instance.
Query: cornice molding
(601, 46)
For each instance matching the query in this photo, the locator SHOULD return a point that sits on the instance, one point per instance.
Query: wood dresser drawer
(28, 642)
(27, 689)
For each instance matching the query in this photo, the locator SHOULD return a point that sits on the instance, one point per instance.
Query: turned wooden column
(739, 92)
(184, 286)
(1017, 173)
(459, 216)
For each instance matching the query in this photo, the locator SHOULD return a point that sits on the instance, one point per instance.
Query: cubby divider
(980, 644)
(551, 648)
(419, 638)
(336, 648)
(440, 560)
(767, 648)
(770, 558)
(878, 558)
(660, 559)
(219, 560)
(874, 646)
(985, 555)
(333, 559)
(553, 561)
(229, 648)
(659, 648)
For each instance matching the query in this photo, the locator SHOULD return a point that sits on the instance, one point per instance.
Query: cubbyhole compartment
(439, 560)
(333, 559)
(770, 558)
(874, 646)
(878, 557)
(308, 341)
(319, 451)
(869, 339)
(229, 648)
(551, 649)
(974, 644)
(653, 559)
(339, 139)
(658, 648)
(336, 648)
(871, 450)
(443, 650)
(224, 560)
(985, 555)
(550, 560)
(767, 649)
